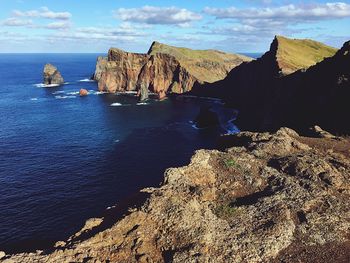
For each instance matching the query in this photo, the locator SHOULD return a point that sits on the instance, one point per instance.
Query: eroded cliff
(270, 198)
(164, 69)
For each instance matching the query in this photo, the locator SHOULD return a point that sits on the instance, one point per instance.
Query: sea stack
(52, 75)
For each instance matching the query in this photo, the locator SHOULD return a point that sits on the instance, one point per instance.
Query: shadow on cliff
(268, 100)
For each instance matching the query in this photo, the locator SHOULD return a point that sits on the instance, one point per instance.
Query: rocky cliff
(319, 95)
(252, 87)
(268, 198)
(164, 69)
(52, 75)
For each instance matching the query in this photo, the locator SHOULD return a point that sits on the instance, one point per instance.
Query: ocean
(65, 158)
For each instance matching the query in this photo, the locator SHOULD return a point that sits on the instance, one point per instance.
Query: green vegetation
(225, 211)
(205, 65)
(230, 163)
(295, 54)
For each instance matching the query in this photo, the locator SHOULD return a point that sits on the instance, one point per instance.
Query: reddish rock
(164, 69)
(83, 92)
(161, 95)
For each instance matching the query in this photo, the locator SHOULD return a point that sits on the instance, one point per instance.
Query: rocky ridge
(164, 69)
(267, 198)
(261, 83)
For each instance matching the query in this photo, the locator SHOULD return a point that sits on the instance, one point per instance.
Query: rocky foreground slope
(270, 198)
(164, 69)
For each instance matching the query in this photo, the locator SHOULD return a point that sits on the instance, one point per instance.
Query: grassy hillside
(295, 54)
(205, 65)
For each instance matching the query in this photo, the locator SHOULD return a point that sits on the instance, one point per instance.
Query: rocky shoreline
(267, 198)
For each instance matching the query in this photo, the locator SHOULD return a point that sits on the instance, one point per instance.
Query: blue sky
(233, 26)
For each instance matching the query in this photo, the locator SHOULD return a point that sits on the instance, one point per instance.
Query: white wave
(99, 92)
(73, 93)
(142, 103)
(65, 97)
(116, 141)
(34, 99)
(58, 92)
(126, 93)
(116, 104)
(86, 80)
(42, 85)
(197, 128)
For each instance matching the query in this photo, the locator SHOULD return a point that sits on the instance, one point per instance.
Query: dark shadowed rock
(297, 83)
(52, 75)
(206, 118)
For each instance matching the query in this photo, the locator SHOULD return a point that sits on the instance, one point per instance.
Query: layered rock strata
(164, 69)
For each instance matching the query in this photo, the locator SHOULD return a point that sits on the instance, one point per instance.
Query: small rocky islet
(52, 76)
(272, 195)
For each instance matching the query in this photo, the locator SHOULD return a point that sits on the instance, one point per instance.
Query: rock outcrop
(253, 87)
(52, 75)
(317, 96)
(164, 69)
(83, 92)
(206, 118)
(267, 198)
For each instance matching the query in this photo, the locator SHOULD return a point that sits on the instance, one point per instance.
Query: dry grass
(295, 54)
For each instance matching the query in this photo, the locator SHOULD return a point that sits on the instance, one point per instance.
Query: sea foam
(41, 85)
(86, 80)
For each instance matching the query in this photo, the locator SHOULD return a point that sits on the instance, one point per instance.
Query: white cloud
(58, 25)
(157, 15)
(43, 12)
(286, 12)
(16, 22)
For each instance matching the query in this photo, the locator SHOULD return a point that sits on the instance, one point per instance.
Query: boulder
(161, 95)
(143, 93)
(52, 75)
(83, 92)
(207, 118)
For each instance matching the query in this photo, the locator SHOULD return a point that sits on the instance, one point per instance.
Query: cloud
(43, 12)
(157, 15)
(58, 25)
(16, 22)
(286, 12)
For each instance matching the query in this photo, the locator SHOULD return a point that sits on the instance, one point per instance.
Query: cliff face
(252, 87)
(319, 95)
(163, 69)
(270, 198)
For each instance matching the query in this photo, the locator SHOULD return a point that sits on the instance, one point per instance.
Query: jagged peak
(295, 54)
(345, 50)
(153, 46)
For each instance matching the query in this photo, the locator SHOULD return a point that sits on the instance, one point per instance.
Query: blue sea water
(65, 158)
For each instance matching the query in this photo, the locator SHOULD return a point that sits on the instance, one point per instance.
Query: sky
(93, 26)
